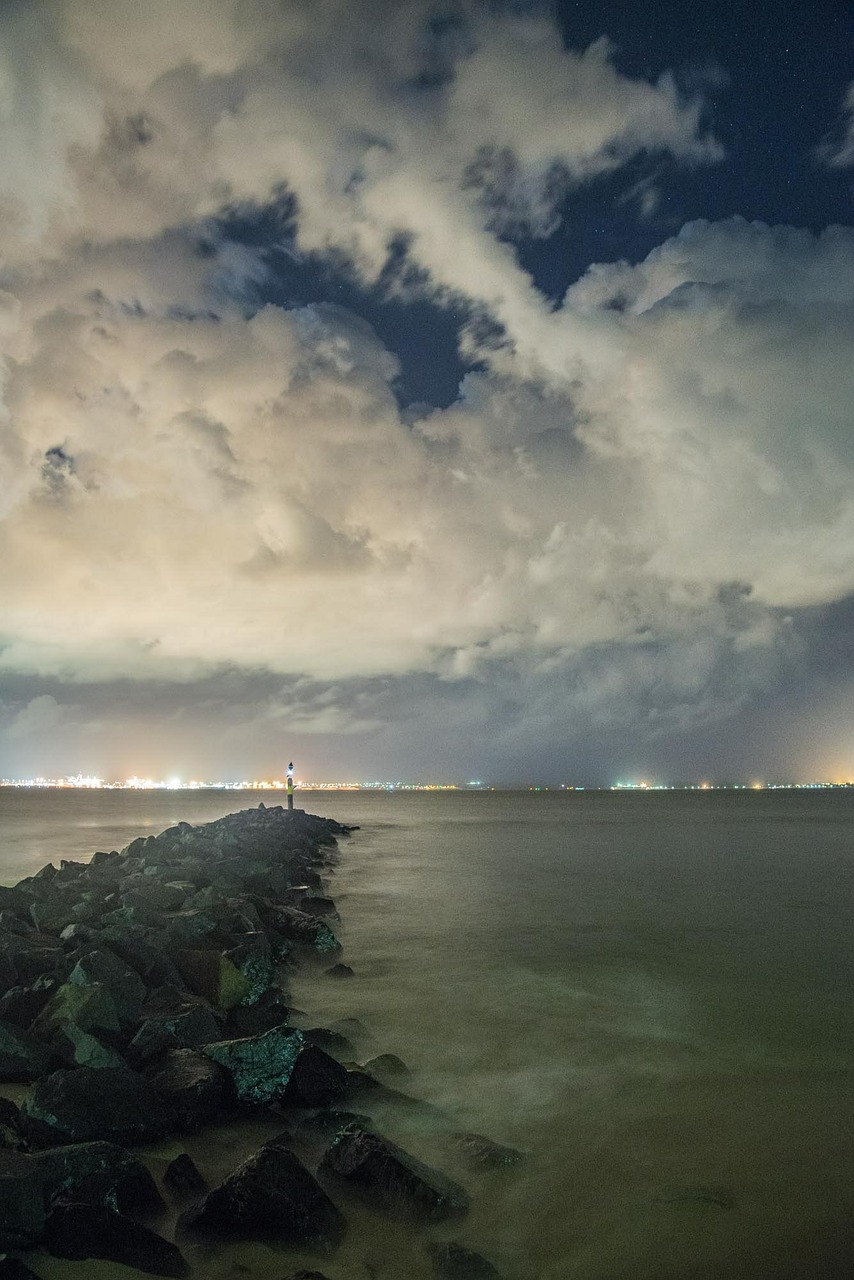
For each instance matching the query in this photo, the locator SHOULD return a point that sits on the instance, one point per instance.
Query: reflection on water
(648, 994)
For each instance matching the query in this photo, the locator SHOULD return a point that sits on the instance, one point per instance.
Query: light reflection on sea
(648, 994)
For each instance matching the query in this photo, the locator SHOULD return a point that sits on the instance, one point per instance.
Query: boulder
(79, 1231)
(317, 1080)
(259, 1067)
(22, 1056)
(452, 1261)
(154, 896)
(10, 1125)
(99, 1173)
(91, 1008)
(388, 1066)
(15, 1269)
(22, 1212)
(274, 1196)
(253, 957)
(306, 931)
(183, 1178)
(87, 1104)
(124, 984)
(483, 1153)
(271, 1010)
(212, 976)
(191, 1084)
(78, 1048)
(21, 1005)
(339, 971)
(389, 1178)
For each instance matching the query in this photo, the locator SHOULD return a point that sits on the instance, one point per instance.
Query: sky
(427, 390)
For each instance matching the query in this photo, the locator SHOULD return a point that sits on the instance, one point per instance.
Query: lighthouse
(290, 785)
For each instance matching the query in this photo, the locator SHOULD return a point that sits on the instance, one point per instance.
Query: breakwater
(145, 996)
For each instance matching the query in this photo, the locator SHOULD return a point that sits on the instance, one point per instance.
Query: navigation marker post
(290, 785)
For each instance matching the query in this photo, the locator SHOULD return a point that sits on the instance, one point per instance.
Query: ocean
(648, 994)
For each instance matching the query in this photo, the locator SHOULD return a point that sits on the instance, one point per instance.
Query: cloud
(611, 524)
(837, 149)
(41, 714)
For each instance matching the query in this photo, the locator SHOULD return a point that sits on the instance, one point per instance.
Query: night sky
(435, 391)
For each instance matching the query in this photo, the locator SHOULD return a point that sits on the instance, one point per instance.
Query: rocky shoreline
(145, 996)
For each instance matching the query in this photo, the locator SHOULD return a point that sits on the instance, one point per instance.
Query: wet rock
(78, 1048)
(191, 1084)
(332, 1042)
(272, 1195)
(325, 1124)
(304, 930)
(339, 971)
(25, 958)
(483, 1153)
(387, 1065)
(259, 1067)
(10, 923)
(125, 986)
(212, 976)
(253, 956)
(15, 1269)
(79, 1231)
(316, 1080)
(454, 1262)
(86, 1104)
(10, 1125)
(173, 1019)
(17, 901)
(98, 1173)
(22, 1056)
(271, 1010)
(21, 1005)
(154, 896)
(22, 1211)
(391, 1179)
(151, 962)
(91, 1008)
(183, 1178)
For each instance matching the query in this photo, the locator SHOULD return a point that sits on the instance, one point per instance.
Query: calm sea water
(649, 994)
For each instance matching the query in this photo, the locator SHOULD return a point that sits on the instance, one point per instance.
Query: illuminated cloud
(614, 522)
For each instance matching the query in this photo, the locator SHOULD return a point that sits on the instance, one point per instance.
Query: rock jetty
(144, 995)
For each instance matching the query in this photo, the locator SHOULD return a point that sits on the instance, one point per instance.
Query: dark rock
(183, 1178)
(117, 977)
(302, 1274)
(270, 1011)
(150, 962)
(15, 1269)
(388, 1065)
(331, 1042)
(22, 1212)
(16, 901)
(253, 957)
(21, 1005)
(316, 906)
(191, 1084)
(273, 1195)
(86, 1104)
(78, 1231)
(339, 971)
(483, 1153)
(327, 1123)
(391, 1179)
(10, 1125)
(316, 1080)
(154, 896)
(10, 923)
(304, 930)
(22, 1056)
(453, 1262)
(78, 1048)
(212, 976)
(90, 1008)
(259, 1067)
(98, 1173)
